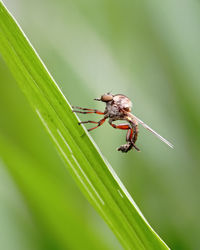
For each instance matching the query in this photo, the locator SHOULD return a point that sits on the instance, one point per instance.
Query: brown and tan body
(118, 107)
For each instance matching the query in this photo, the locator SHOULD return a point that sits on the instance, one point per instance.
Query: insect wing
(150, 129)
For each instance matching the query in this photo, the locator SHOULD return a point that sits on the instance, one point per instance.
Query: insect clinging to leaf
(118, 107)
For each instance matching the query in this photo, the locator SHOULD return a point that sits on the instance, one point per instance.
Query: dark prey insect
(118, 107)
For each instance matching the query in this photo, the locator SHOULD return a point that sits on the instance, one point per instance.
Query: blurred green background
(147, 50)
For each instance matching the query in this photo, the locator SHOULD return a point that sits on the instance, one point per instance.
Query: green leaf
(94, 176)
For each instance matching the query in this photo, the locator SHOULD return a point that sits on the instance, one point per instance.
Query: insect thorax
(118, 105)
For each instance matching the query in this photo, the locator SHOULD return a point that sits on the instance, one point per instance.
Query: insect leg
(88, 122)
(87, 111)
(131, 136)
(135, 134)
(120, 126)
(99, 124)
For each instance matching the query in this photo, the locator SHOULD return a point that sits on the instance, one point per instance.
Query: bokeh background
(147, 50)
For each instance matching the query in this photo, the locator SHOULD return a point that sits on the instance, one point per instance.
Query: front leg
(87, 111)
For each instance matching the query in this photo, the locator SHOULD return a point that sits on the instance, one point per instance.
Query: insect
(118, 107)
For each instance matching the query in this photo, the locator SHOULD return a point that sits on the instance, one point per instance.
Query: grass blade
(58, 222)
(95, 177)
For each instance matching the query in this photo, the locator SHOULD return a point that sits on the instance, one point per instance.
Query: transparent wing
(150, 129)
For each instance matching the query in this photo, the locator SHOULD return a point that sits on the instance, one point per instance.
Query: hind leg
(131, 136)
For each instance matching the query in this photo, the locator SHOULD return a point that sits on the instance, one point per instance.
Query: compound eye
(106, 98)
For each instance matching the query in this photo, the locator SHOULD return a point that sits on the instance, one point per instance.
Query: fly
(118, 107)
